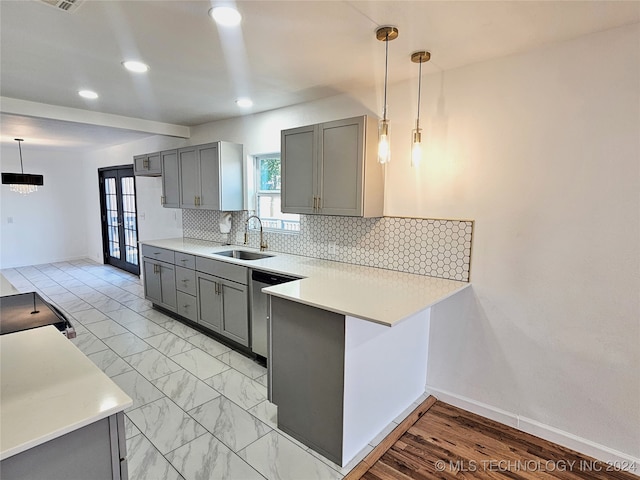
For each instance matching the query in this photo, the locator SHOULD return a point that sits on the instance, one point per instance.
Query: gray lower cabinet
(96, 451)
(186, 286)
(308, 343)
(223, 307)
(170, 179)
(160, 283)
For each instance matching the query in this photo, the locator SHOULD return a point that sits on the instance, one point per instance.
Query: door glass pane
(129, 217)
(112, 217)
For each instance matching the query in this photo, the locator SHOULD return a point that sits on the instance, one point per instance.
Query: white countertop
(382, 296)
(49, 388)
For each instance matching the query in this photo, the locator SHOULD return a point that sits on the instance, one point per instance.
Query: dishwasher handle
(270, 278)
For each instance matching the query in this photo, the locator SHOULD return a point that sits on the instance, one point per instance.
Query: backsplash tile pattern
(437, 248)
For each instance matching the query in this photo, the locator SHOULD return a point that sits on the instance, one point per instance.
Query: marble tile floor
(200, 409)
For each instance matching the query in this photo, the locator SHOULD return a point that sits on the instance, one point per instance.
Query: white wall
(542, 150)
(47, 225)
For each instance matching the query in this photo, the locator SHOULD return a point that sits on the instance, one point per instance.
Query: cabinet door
(209, 176)
(170, 179)
(209, 300)
(153, 160)
(152, 285)
(341, 157)
(147, 165)
(235, 312)
(299, 175)
(189, 175)
(168, 285)
(140, 165)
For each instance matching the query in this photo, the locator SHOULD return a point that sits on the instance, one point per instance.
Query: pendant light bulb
(416, 134)
(416, 148)
(385, 34)
(384, 148)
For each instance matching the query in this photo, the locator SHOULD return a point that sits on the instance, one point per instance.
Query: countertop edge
(386, 323)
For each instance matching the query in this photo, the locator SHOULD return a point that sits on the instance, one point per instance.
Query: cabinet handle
(184, 260)
(185, 306)
(319, 203)
(315, 203)
(162, 200)
(185, 280)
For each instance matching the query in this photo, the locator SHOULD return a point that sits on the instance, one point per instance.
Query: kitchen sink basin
(243, 254)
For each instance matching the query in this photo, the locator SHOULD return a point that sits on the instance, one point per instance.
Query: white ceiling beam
(26, 108)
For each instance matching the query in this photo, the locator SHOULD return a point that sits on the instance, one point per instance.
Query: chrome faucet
(263, 244)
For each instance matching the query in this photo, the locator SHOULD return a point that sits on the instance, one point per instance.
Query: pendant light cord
(386, 73)
(419, 91)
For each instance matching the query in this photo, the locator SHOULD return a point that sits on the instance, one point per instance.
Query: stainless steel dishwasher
(260, 309)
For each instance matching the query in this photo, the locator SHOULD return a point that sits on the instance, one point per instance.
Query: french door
(119, 218)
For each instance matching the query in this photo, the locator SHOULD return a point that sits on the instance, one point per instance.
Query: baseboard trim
(66, 259)
(546, 432)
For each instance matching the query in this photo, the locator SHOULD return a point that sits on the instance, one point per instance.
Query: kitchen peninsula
(348, 344)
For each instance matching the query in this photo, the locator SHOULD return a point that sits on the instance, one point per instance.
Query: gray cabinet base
(309, 393)
(94, 452)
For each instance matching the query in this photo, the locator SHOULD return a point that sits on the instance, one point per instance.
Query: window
(267, 168)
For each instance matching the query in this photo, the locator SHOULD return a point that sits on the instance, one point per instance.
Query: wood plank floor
(449, 443)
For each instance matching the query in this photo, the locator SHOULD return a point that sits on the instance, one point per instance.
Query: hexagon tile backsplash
(437, 248)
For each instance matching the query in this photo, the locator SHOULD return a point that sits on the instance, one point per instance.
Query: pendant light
(416, 134)
(385, 34)
(23, 183)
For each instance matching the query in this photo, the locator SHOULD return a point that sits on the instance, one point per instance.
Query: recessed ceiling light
(226, 16)
(88, 94)
(134, 66)
(244, 102)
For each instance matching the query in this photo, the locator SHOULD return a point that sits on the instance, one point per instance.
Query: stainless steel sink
(243, 254)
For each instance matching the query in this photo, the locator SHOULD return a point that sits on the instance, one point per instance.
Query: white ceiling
(284, 52)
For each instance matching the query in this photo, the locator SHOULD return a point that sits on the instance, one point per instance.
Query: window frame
(268, 193)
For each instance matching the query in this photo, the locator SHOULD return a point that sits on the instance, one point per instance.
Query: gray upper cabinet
(147, 165)
(211, 176)
(170, 179)
(331, 169)
(299, 169)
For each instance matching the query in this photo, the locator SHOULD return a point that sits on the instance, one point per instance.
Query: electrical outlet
(332, 248)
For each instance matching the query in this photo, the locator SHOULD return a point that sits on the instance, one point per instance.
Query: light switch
(332, 248)
(9, 219)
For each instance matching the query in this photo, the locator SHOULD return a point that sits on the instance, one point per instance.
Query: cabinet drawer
(185, 280)
(185, 260)
(187, 306)
(235, 273)
(156, 253)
